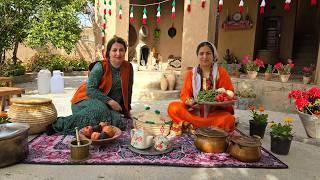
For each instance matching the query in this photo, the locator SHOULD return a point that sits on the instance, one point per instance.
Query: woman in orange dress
(206, 75)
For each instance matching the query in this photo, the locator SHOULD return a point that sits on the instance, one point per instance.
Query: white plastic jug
(44, 76)
(57, 82)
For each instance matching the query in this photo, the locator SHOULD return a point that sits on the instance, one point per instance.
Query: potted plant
(246, 98)
(284, 70)
(252, 66)
(259, 121)
(229, 61)
(268, 73)
(3, 118)
(307, 103)
(281, 136)
(307, 72)
(236, 69)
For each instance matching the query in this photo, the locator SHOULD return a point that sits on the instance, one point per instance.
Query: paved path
(303, 159)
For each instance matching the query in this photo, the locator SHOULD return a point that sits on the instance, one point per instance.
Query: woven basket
(153, 128)
(37, 112)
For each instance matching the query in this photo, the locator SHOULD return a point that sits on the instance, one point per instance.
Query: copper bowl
(117, 133)
(211, 140)
(245, 149)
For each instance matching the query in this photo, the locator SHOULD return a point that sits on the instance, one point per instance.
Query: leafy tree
(39, 23)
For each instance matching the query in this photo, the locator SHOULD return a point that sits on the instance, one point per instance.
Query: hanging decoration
(109, 7)
(103, 30)
(105, 10)
(173, 10)
(241, 8)
(313, 2)
(262, 6)
(144, 16)
(203, 3)
(189, 6)
(158, 14)
(287, 5)
(120, 12)
(131, 19)
(220, 5)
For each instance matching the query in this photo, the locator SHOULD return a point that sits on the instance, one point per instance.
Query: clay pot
(306, 80)
(237, 74)
(171, 80)
(163, 83)
(252, 74)
(267, 76)
(284, 77)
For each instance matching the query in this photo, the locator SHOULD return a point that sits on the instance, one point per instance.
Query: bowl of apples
(100, 134)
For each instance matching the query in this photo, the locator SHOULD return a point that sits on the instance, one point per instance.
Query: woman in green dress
(106, 96)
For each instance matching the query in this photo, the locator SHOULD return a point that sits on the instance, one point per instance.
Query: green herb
(207, 96)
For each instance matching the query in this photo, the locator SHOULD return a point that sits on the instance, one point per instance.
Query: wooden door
(271, 33)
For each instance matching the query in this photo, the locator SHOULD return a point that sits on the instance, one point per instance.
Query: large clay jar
(284, 77)
(163, 83)
(252, 74)
(171, 80)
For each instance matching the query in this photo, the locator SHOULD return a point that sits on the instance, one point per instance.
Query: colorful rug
(54, 150)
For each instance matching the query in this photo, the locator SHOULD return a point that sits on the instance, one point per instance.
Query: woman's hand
(114, 105)
(192, 104)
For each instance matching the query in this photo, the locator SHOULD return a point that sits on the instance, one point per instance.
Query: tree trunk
(15, 51)
(2, 56)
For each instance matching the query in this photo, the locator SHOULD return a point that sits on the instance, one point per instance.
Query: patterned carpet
(54, 150)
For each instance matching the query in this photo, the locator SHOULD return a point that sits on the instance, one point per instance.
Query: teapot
(161, 143)
(140, 139)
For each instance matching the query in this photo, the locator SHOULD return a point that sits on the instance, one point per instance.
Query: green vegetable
(207, 96)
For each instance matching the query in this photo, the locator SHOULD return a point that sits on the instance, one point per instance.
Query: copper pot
(246, 149)
(13, 143)
(210, 140)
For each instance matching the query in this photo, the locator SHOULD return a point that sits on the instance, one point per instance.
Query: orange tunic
(218, 116)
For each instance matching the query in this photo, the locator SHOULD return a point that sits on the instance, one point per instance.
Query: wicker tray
(153, 128)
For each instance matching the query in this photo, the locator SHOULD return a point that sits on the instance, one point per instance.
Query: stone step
(143, 95)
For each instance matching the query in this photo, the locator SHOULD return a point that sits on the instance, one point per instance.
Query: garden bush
(44, 60)
(11, 69)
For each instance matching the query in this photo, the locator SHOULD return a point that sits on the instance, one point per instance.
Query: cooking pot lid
(211, 132)
(246, 141)
(30, 100)
(10, 130)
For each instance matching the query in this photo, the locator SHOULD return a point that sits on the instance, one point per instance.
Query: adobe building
(275, 35)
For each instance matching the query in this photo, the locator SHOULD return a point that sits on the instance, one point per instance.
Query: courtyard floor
(303, 159)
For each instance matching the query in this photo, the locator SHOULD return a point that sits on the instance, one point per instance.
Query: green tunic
(94, 110)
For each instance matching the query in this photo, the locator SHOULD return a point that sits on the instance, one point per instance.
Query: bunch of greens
(207, 96)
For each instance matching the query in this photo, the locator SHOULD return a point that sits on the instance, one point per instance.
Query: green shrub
(11, 69)
(78, 64)
(44, 60)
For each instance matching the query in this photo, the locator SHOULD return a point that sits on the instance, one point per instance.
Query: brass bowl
(80, 152)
